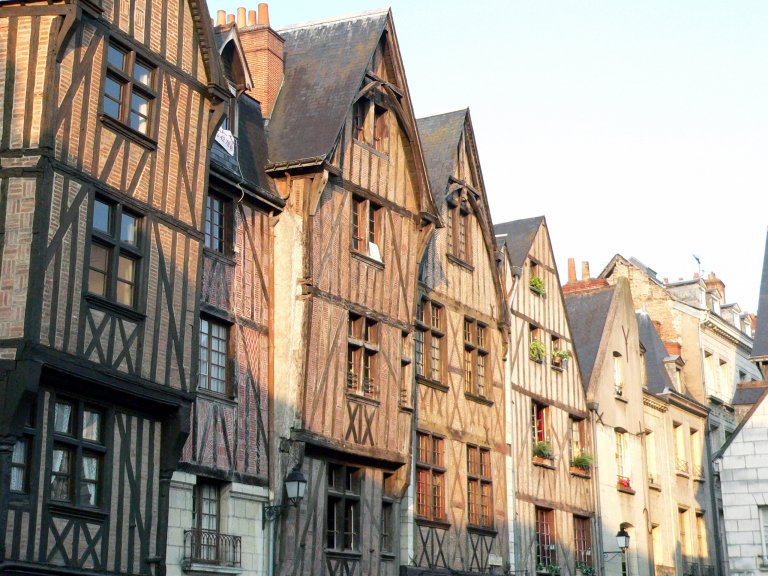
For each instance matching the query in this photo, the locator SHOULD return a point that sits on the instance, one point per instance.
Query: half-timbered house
(457, 513)
(104, 132)
(344, 152)
(222, 481)
(554, 505)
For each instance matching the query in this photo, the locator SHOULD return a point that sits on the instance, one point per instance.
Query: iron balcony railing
(681, 466)
(212, 547)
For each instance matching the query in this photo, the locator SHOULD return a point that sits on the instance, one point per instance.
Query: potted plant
(537, 285)
(624, 483)
(583, 461)
(551, 569)
(560, 358)
(585, 569)
(542, 449)
(536, 350)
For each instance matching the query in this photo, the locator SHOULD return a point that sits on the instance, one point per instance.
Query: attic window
(366, 228)
(370, 124)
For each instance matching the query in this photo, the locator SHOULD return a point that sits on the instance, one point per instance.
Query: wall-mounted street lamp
(622, 541)
(295, 486)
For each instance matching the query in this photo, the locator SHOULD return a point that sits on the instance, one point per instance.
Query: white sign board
(227, 140)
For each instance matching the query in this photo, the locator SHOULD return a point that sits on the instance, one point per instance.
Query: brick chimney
(586, 282)
(263, 49)
(714, 283)
(673, 348)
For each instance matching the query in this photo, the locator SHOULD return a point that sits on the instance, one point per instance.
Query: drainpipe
(516, 273)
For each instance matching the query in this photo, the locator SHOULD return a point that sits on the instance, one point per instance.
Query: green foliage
(585, 569)
(542, 449)
(537, 285)
(553, 569)
(536, 350)
(582, 460)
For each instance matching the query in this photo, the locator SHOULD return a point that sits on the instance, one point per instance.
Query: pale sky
(636, 127)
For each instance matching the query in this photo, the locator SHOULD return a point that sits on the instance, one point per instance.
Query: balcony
(681, 467)
(697, 471)
(211, 551)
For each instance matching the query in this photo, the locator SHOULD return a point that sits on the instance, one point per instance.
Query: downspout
(514, 549)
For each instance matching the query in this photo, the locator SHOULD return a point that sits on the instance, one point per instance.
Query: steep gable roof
(518, 236)
(760, 346)
(440, 137)
(325, 65)
(587, 316)
(657, 378)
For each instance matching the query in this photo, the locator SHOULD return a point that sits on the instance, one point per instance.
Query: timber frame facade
(554, 505)
(104, 138)
(457, 513)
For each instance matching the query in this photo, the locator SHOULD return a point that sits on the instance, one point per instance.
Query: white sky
(637, 127)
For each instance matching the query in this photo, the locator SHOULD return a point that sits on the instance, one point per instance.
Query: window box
(576, 471)
(536, 285)
(543, 462)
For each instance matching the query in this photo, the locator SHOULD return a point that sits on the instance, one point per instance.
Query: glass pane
(92, 425)
(97, 282)
(99, 258)
(116, 57)
(63, 418)
(111, 108)
(126, 269)
(90, 468)
(102, 216)
(124, 293)
(17, 479)
(113, 89)
(128, 229)
(138, 123)
(142, 73)
(19, 452)
(139, 105)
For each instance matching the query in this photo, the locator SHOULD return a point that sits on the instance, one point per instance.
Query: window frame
(221, 242)
(582, 530)
(366, 228)
(130, 88)
(388, 516)
(546, 537)
(116, 249)
(343, 507)
(363, 338)
(430, 477)
(204, 380)
(479, 487)
(476, 358)
(459, 233)
(78, 446)
(206, 552)
(429, 342)
(540, 422)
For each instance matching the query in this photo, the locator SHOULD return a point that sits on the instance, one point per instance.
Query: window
(696, 460)
(429, 341)
(459, 242)
(725, 378)
(583, 532)
(657, 537)
(366, 227)
(536, 281)
(650, 457)
(537, 351)
(479, 487)
(540, 422)
(370, 124)
(681, 461)
(113, 269)
(388, 516)
(362, 351)
(205, 519)
(128, 88)
(21, 458)
(623, 473)
(643, 369)
(78, 453)
(579, 438)
(763, 512)
(618, 374)
(217, 225)
(214, 342)
(682, 521)
(343, 509)
(475, 358)
(546, 550)
(430, 474)
(701, 536)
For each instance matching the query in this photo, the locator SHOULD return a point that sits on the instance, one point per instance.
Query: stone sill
(200, 568)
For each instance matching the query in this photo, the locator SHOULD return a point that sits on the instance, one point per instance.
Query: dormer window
(459, 240)
(366, 228)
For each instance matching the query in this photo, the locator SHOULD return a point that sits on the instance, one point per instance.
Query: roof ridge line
(335, 19)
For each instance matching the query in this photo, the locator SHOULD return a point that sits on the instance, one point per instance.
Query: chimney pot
(695, 275)
(221, 17)
(263, 14)
(571, 271)
(241, 17)
(585, 272)
(252, 18)
(230, 18)
(666, 280)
